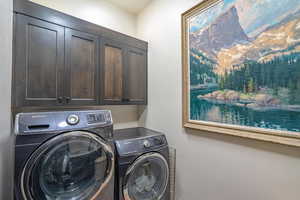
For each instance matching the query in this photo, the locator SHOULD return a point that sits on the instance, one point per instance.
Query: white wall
(5, 89)
(100, 12)
(103, 13)
(210, 166)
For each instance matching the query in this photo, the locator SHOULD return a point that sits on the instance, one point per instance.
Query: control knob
(73, 119)
(147, 144)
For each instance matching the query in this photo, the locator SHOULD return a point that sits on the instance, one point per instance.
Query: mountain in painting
(258, 15)
(280, 39)
(224, 32)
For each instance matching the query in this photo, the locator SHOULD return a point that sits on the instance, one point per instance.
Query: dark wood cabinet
(54, 65)
(39, 63)
(112, 54)
(124, 74)
(136, 76)
(60, 60)
(81, 76)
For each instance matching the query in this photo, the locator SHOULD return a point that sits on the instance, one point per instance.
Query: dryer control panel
(134, 146)
(42, 122)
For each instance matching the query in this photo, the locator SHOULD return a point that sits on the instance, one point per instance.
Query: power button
(73, 119)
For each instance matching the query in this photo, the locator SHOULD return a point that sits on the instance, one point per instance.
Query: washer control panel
(44, 122)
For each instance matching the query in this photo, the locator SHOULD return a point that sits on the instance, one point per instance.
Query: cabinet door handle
(126, 99)
(68, 99)
(60, 100)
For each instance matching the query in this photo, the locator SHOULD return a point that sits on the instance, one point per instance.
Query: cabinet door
(81, 68)
(39, 62)
(112, 72)
(136, 76)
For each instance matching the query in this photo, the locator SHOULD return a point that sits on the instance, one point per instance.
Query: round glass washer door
(74, 165)
(147, 178)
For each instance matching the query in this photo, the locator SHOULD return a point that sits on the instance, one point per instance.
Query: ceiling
(132, 6)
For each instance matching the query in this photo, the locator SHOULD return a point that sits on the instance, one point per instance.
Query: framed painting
(241, 69)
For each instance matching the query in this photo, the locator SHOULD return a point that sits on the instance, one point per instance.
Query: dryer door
(74, 165)
(147, 178)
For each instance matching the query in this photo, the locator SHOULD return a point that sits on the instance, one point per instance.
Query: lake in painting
(244, 64)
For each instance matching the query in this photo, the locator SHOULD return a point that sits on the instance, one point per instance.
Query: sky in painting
(255, 15)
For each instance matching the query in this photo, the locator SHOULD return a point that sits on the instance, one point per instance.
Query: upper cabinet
(39, 63)
(136, 76)
(113, 62)
(124, 74)
(81, 73)
(64, 61)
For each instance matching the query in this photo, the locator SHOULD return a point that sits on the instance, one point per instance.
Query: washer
(64, 156)
(142, 167)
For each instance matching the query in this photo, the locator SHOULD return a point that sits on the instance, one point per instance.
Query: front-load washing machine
(142, 169)
(64, 156)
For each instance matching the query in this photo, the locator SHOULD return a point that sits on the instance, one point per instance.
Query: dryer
(64, 155)
(142, 165)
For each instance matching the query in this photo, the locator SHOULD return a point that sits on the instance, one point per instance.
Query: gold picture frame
(276, 136)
